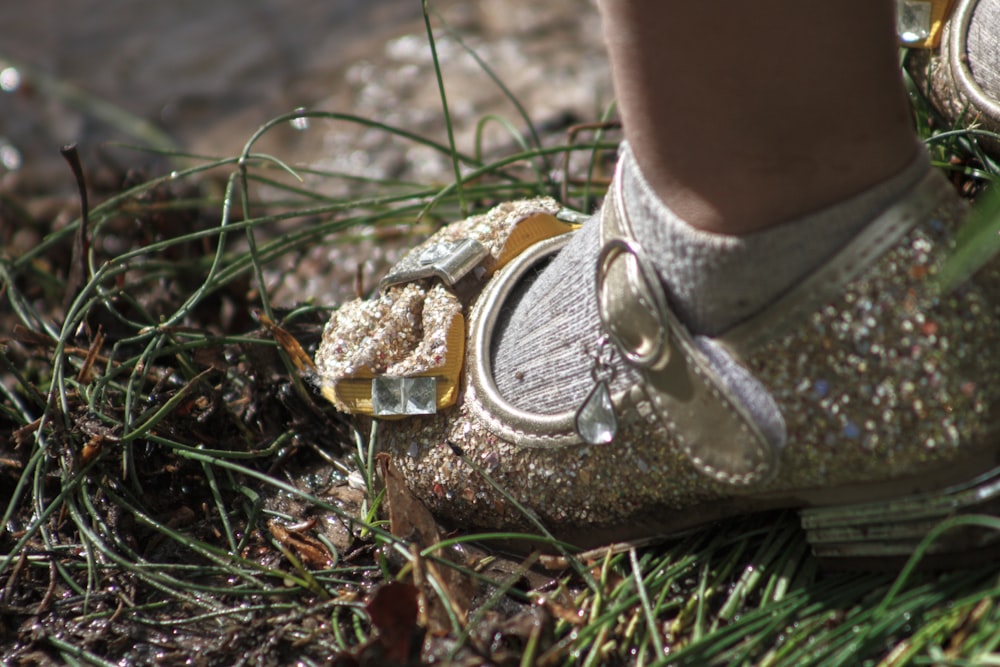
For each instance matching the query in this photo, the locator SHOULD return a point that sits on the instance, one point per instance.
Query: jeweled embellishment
(913, 20)
(595, 421)
(399, 396)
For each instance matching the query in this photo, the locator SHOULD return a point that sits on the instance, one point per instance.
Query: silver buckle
(449, 261)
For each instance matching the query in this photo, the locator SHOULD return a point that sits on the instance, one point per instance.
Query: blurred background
(203, 76)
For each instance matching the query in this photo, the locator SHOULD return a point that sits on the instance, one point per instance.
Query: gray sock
(714, 281)
(983, 46)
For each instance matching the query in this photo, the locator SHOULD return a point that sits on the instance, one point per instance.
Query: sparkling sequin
(403, 332)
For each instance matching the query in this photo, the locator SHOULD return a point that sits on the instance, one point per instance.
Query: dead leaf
(411, 521)
(86, 370)
(79, 269)
(288, 342)
(393, 610)
(91, 450)
(312, 552)
(23, 334)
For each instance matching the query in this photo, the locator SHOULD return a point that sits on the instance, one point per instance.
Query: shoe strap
(710, 422)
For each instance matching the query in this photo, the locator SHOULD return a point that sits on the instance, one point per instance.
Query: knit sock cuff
(714, 281)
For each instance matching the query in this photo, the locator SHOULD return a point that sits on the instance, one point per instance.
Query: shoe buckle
(711, 422)
(447, 260)
(631, 311)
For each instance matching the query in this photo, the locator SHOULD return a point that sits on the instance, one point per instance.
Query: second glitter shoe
(868, 396)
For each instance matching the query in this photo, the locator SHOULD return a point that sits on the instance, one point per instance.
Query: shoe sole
(891, 531)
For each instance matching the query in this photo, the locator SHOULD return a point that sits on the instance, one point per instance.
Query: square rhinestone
(913, 20)
(395, 396)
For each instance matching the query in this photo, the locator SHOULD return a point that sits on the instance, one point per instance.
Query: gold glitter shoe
(864, 396)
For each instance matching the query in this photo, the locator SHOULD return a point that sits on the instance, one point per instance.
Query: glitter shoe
(864, 397)
(963, 88)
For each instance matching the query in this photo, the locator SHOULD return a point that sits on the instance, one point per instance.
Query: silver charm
(595, 420)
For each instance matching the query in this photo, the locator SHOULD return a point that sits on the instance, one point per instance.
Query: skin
(743, 115)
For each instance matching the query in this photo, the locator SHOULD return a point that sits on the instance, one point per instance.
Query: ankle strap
(712, 425)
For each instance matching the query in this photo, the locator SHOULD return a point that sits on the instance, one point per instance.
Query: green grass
(173, 487)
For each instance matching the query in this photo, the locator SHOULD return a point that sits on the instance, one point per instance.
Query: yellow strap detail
(536, 227)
